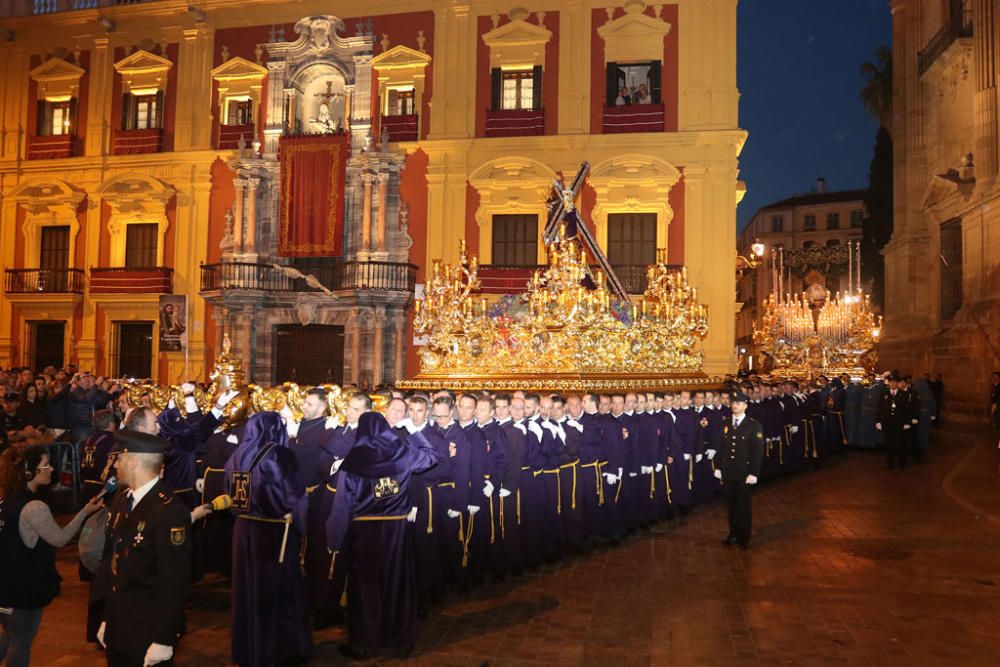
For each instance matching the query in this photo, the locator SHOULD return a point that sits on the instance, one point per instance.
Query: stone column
(984, 51)
(14, 66)
(354, 331)
(383, 204)
(194, 89)
(240, 185)
(8, 216)
(250, 242)
(272, 115)
(377, 354)
(368, 179)
(98, 98)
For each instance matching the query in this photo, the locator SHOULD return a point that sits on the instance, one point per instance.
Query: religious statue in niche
(323, 122)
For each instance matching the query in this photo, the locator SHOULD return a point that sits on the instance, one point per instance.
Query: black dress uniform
(742, 451)
(894, 416)
(146, 572)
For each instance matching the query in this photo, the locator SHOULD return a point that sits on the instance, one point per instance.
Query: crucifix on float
(562, 207)
(324, 121)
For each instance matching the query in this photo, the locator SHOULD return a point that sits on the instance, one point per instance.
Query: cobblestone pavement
(850, 565)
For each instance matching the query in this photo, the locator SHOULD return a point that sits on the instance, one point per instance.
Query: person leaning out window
(29, 537)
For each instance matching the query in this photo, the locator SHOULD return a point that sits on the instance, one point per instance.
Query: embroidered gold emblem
(177, 536)
(386, 487)
(241, 490)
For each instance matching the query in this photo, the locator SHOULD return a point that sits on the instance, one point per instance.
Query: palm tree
(876, 94)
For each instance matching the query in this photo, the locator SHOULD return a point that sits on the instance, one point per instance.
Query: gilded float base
(560, 382)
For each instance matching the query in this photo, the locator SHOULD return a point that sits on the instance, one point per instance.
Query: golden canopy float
(817, 332)
(564, 333)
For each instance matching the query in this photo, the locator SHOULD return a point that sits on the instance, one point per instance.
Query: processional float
(573, 329)
(817, 332)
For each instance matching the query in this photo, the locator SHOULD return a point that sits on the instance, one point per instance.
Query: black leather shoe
(743, 546)
(729, 541)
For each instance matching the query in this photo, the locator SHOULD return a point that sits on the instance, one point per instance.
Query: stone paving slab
(850, 565)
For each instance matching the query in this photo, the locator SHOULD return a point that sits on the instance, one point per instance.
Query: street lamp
(752, 260)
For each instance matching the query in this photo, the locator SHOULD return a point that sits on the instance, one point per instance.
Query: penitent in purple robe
(268, 595)
(373, 501)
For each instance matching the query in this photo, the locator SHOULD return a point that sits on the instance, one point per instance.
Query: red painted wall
(413, 191)
(669, 72)
(220, 199)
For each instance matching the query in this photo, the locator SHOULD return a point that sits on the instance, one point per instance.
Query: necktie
(129, 502)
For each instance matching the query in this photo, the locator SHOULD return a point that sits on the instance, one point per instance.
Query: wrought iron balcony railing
(336, 276)
(43, 281)
(10, 8)
(958, 25)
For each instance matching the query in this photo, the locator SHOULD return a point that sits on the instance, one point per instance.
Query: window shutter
(655, 80)
(72, 116)
(612, 83)
(393, 109)
(497, 88)
(159, 109)
(231, 108)
(536, 88)
(42, 129)
(127, 115)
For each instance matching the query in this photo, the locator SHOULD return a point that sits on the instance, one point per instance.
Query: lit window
(60, 118)
(401, 102)
(239, 111)
(518, 89)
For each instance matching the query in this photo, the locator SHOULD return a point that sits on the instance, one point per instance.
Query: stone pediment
(634, 36)
(509, 172)
(56, 69)
(239, 69)
(57, 78)
(944, 186)
(142, 62)
(636, 170)
(517, 44)
(319, 36)
(400, 57)
(517, 33)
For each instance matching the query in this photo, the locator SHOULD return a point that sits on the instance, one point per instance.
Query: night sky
(798, 71)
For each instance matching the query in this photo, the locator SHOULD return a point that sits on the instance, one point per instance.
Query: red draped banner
(313, 169)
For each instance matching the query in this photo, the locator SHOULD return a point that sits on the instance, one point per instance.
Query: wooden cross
(329, 94)
(562, 207)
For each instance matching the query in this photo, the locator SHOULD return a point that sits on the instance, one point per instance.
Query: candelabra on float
(817, 331)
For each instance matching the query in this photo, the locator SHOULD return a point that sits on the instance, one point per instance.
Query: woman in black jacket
(29, 537)
(32, 407)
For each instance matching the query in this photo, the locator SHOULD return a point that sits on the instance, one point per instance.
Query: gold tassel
(430, 511)
(492, 523)
(666, 478)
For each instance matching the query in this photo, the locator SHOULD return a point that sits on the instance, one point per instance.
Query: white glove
(100, 633)
(718, 473)
(659, 467)
(906, 427)
(473, 509)
(633, 474)
(187, 388)
(190, 405)
(793, 429)
(412, 516)
(504, 492)
(915, 421)
(293, 428)
(687, 457)
(225, 398)
(171, 404)
(488, 489)
(697, 458)
(878, 426)
(751, 479)
(331, 423)
(710, 453)
(157, 653)
(646, 470)
(452, 514)
(933, 418)
(199, 485)
(620, 473)
(610, 479)
(335, 466)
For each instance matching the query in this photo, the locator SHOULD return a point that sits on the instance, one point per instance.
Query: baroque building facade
(286, 175)
(942, 265)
